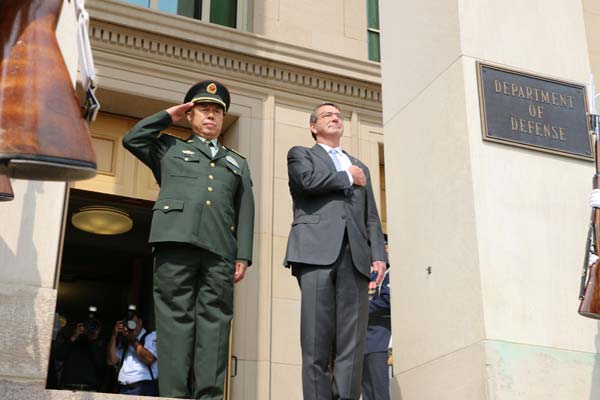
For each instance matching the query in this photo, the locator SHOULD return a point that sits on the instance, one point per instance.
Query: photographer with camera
(81, 352)
(133, 349)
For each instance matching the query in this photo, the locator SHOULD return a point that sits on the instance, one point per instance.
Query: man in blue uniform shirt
(136, 356)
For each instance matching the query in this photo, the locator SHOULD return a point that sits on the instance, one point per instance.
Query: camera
(129, 320)
(91, 325)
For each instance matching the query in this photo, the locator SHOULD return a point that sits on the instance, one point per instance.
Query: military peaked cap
(209, 92)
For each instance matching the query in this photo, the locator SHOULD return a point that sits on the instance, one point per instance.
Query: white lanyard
(86, 62)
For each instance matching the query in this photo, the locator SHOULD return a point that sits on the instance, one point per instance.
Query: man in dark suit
(202, 231)
(334, 242)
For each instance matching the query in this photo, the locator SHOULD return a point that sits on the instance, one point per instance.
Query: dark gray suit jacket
(326, 205)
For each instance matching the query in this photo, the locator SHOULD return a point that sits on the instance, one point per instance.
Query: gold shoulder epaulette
(179, 135)
(234, 151)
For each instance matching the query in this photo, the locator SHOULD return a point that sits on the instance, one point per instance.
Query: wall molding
(168, 55)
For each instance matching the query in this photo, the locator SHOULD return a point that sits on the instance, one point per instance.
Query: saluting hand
(177, 112)
(358, 175)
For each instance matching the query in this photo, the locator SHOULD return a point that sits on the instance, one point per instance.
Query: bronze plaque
(534, 112)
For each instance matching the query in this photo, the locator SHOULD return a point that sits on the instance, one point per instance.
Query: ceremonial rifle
(6, 192)
(589, 289)
(43, 134)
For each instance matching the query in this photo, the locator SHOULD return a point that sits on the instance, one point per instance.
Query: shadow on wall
(395, 392)
(595, 383)
(24, 354)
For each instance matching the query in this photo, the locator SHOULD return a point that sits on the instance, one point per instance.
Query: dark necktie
(211, 147)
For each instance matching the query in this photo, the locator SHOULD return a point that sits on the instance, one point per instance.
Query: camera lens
(131, 325)
(130, 322)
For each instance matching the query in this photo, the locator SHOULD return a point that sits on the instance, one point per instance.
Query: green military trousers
(193, 300)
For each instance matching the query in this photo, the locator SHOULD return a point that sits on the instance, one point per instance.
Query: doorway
(108, 272)
(111, 272)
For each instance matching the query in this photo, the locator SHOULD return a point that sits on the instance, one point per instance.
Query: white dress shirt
(134, 369)
(342, 158)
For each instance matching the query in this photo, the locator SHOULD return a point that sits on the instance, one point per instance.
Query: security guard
(202, 230)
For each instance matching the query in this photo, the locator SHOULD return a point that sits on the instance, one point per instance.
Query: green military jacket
(204, 201)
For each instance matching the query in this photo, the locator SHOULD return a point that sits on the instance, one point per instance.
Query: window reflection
(373, 30)
(187, 8)
(143, 3)
(224, 12)
(221, 12)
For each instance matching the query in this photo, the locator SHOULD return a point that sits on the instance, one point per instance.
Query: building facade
(489, 242)
(486, 239)
(279, 59)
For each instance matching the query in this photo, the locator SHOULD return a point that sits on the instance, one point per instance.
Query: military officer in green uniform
(201, 231)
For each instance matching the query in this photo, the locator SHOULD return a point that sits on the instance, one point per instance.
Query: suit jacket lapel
(354, 161)
(320, 151)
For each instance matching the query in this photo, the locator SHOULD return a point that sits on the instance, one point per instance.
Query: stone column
(502, 228)
(30, 237)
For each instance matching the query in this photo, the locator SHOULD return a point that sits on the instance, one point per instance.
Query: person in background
(376, 378)
(133, 349)
(82, 352)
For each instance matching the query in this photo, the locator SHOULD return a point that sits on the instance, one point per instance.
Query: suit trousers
(193, 300)
(333, 324)
(376, 378)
